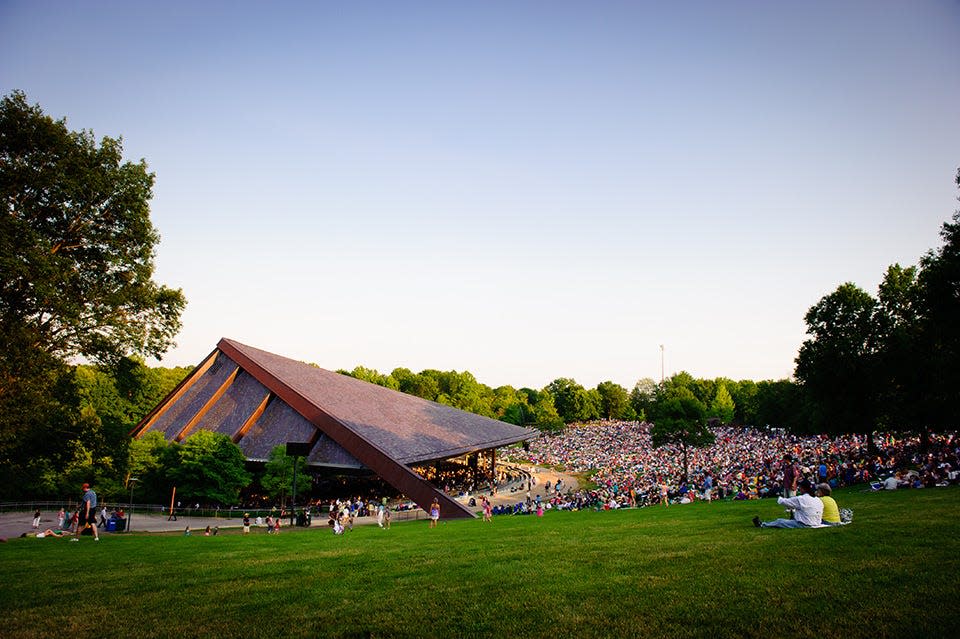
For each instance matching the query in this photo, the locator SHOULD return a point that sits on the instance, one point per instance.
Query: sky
(523, 190)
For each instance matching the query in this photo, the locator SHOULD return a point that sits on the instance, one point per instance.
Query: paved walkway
(14, 524)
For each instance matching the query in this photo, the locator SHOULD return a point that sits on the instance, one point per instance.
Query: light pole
(295, 450)
(132, 480)
(293, 504)
(661, 364)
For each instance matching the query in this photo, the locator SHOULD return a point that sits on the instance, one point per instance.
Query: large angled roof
(262, 400)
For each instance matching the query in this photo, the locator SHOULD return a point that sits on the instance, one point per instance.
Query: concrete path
(14, 524)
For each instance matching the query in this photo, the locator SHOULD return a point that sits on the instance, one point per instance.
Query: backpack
(846, 516)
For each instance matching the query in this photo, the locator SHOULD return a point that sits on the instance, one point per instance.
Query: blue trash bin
(112, 525)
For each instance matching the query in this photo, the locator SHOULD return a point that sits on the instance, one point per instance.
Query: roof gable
(262, 400)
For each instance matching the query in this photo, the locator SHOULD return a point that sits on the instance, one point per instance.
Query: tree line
(76, 283)
(892, 360)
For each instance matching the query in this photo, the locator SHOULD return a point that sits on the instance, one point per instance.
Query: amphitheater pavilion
(261, 400)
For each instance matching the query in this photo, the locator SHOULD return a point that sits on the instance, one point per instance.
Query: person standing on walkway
(36, 519)
(88, 514)
(434, 513)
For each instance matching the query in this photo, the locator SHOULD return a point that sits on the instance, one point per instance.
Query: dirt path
(517, 491)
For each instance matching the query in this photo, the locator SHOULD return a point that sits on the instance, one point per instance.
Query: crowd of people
(626, 469)
(742, 463)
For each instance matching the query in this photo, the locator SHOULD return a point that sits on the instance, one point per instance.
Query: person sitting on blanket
(831, 512)
(807, 510)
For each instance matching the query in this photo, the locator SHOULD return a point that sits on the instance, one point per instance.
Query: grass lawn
(686, 571)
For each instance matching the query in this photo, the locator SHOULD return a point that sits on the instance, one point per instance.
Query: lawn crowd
(742, 463)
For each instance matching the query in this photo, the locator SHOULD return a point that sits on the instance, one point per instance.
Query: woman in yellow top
(831, 512)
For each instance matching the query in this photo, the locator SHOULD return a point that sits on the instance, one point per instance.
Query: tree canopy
(892, 361)
(838, 365)
(277, 478)
(77, 252)
(76, 267)
(209, 468)
(680, 421)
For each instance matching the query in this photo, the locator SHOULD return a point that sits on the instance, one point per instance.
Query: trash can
(111, 525)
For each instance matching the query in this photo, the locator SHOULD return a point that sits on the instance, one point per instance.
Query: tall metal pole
(661, 364)
(293, 505)
(130, 514)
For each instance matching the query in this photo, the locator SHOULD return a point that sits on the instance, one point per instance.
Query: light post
(295, 450)
(132, 480)
(293, 504)
(661, 364)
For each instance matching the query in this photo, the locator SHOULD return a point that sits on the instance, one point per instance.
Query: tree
(938, 326)
(781, 404)
(277, 478)
(545, 416)
(77, 252)
(744, 396)
(680, 422)
(614, 400)
(838, 365)
(76, 267)
(372, 376)
(722, 406)
(510, 406)
(151, 458)
(642, 397)
(573, 402)
(209, 467)
(904, 365)
(416, 384)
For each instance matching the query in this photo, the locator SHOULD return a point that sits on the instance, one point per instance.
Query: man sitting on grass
(807, 510)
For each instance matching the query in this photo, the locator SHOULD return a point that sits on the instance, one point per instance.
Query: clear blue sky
(524, 190)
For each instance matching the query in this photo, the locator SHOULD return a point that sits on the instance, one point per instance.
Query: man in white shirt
(806, 507)
(891, 483)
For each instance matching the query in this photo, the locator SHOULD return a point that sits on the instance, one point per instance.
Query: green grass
(685, 571)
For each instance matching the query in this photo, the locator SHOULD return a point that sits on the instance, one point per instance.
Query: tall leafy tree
(545, 415)
(277, 479)
(77, 247)
(938, 334)
(573, 401)
(782, 404)
(209, 467)
(744, 396)
(614, 400)
(151, 458)
(76, 267)
(643, 396)
(415, 384)
(838, 365)
(680, 421)
(904, 384)
(722, 406)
